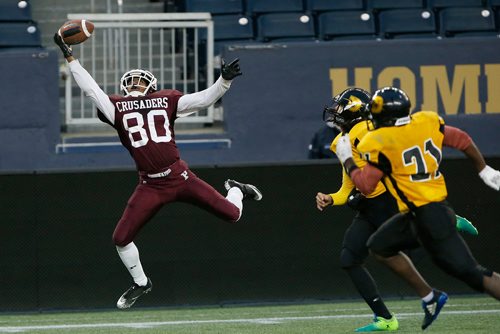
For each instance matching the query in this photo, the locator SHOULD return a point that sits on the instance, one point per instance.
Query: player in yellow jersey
(404, 152)
(371, 211)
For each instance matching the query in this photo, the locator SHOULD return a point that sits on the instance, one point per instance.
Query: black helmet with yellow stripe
(389, 106)
(347, 108)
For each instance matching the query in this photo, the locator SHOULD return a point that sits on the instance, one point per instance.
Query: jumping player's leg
(142, 205)
(200, 193)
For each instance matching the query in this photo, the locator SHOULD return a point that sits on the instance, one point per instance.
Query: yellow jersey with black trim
(409, 155)
(357, 132)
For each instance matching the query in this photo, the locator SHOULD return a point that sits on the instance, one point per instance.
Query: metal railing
(167, 44)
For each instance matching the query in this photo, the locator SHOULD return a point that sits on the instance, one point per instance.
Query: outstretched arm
(85, 81)
(191, 103)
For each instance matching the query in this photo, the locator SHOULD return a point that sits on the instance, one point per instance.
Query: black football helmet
(347, 108)
(389, 106)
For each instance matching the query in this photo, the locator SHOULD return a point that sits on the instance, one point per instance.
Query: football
(76, 31)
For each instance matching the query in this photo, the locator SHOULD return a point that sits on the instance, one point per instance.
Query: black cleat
(248, 190)
(132, 294)
(432, 308)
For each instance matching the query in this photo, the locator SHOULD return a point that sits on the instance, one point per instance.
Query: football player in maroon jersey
(144, 119)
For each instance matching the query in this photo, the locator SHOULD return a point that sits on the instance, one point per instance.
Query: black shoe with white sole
(132, 294)
(248, 190)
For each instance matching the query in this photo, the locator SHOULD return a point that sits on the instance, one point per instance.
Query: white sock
(429, 297)
(130, 258)
(235, 196)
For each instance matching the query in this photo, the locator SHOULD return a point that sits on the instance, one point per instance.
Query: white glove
(344, 150)
(491, 177)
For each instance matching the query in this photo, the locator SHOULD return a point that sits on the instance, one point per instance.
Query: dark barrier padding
(57, 251)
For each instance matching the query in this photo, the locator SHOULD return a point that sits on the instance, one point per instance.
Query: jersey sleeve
(333, 145)
(91, 89)
(456, 138)
(194, 102)
(340, 197)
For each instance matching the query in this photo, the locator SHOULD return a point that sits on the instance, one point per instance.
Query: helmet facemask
(134, 79)
(347, 109)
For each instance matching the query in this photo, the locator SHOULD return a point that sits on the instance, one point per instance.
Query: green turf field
(460, 315)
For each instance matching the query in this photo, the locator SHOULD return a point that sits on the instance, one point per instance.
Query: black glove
(66, 50)
(231, 70)
(355, 199)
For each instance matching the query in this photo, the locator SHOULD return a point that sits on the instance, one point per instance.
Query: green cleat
(380, 324)
(463, 225)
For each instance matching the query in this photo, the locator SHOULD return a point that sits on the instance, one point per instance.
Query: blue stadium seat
(14, 34)
(215, 6)
(329, 5)
(232, 27)
(346, 24)
(467, 21)
(394, 4)
(407, 23)
(285, 26)
(454, 3)
(10, 10)
(494, 3)
(273, 6)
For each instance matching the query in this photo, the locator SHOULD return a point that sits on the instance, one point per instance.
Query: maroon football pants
(181, 185)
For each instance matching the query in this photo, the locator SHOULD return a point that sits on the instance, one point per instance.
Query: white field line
(273, 320)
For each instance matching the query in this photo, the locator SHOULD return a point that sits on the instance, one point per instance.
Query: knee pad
(348, 259)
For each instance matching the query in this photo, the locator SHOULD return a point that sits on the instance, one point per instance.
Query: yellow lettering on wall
(492, 72)
(340, 82)
(465, 82)
(406, 80)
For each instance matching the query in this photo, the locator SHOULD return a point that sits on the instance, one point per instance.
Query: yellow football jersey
(409, 155)
(357, 132)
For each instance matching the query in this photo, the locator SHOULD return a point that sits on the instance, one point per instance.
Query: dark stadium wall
(273, 110)
(29, 100)
(57, 251)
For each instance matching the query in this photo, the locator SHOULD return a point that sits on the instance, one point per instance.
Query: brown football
(76, 31)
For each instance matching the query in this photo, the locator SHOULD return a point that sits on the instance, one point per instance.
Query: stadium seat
(454, 3)
(232, 27)
(285, 26)
(329, 5)
(394, 4)
(467, 21)
(215, 6)
(255, 7)
(14, 34)
(401, 23)
(346, 24)
(10, 10)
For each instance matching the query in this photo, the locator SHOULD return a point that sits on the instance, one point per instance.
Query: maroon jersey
(145, 125)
